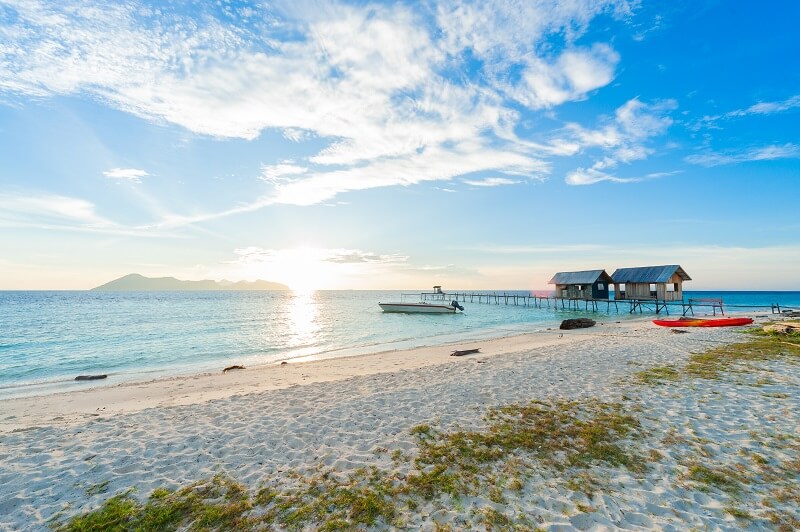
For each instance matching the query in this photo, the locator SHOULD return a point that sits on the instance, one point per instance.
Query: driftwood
(90, 377)
(226, 370)
(462, 352)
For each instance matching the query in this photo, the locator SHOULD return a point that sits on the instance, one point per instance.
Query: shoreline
(72, 406)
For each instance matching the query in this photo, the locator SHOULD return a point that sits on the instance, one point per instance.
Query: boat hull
(697, 322)
(418, 308)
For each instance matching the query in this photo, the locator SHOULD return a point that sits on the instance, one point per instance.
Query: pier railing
(639, 304)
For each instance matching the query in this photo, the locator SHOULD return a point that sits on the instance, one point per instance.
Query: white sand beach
(65, 454)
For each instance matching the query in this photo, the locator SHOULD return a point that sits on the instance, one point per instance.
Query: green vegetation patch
(559, 434)
(723, 478)
(216, 504)
(490, 462)
(710, 364)
(657, 375)
(761, 347)
(331, 502)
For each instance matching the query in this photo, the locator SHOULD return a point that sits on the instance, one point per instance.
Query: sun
(303, 269)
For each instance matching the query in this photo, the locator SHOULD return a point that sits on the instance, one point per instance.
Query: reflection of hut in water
(650, 282)
(590, 284)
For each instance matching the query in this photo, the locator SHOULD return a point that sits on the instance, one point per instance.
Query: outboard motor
(454, 304)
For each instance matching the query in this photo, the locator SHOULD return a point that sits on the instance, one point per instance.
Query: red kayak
(698, 322)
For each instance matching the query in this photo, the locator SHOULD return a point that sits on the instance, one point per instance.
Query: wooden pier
(639, 304)
(527, 300)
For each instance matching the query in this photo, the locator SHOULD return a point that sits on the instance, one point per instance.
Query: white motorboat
(422, 307)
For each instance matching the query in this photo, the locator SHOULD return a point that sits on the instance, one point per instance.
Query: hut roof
(649, 274)
(584, 277)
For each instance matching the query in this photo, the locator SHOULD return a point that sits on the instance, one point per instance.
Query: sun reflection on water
(303, 319)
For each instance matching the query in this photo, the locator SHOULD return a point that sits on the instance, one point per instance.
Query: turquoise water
(48, 338)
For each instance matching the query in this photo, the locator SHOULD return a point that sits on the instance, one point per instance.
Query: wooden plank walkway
(541, 301)
(496, 298)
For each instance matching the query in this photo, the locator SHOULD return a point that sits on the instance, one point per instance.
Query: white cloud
(760, 108)
(764, 153)
(490, 182)
(356, 256)
(295, 135)
(640, 120)
(126, 174)
(278, 173)
(64, 213)
(536, 250)
(48, 208)
(433, 164)
(622, 141)
(575, 73)
(255, 254)
(766, 108)
(307, 267)
(590, 176)
(501, 30)
(369, 80)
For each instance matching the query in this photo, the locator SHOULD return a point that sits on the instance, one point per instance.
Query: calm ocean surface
(48, 338)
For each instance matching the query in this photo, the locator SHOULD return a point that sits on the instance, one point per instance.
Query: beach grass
(761, 346)
(565, 436)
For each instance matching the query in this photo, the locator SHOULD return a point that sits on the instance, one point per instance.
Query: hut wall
(583, 291)
(600, 290)
(671, 291)
(638, 290)
(570, 291)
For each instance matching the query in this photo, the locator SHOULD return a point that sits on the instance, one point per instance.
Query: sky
(397, 145)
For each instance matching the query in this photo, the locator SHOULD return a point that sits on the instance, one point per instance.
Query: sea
(49, 338)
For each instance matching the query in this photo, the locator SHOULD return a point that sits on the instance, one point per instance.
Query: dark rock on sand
(577, 323)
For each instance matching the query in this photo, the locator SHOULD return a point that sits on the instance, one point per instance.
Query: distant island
(140, 283)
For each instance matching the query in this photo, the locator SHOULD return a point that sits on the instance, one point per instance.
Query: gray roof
(585, 277)
(649, 274)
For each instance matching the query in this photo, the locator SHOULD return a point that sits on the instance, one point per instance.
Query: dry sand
(346, 413)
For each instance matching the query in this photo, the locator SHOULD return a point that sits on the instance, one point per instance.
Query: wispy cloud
(48, 208)
(760, 108)
(356, 256)
(64, 213)
(490, 182)
(590, 176)
(533, 250)
(126, 174)
(255, 254)
(621, 140)
(764, 153)
(571, 76)
(282, 172)
(373, 83)
(311, 267)
(767, 108)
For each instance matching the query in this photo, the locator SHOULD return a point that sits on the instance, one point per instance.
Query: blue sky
(398, 145)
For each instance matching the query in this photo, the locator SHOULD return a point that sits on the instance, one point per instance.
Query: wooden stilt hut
(664, 283)
(589, 284)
